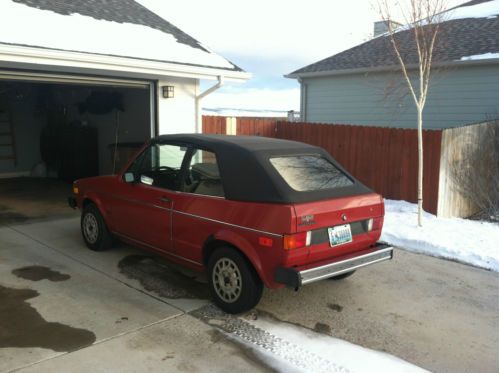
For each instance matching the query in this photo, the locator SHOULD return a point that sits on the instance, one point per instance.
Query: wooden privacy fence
(215, 124)
(385, 159)
(240, 126)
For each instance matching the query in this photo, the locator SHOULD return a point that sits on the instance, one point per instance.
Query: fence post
(230, 126)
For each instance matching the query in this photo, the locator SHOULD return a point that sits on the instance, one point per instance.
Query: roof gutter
(33, 58)
(317, 74)
(199, 118)
(211, 89)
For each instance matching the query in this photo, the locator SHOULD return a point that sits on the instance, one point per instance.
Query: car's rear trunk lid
(355, 211)
(338, 211)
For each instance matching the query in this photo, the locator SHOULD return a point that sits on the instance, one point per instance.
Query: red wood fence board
(385, 159)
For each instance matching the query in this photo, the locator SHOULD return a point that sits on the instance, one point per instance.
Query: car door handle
(165, 199)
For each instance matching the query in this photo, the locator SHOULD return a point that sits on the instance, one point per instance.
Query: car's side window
(203, 175)
(160, 165)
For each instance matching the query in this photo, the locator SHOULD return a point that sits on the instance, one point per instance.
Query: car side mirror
(129, 177)
(146, 180)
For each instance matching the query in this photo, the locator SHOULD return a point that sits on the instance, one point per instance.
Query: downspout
(199, 117)
(303, 100)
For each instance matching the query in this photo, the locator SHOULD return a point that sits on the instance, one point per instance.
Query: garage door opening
(53, 132)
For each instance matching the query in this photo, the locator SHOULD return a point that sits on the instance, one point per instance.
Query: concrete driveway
(66, 308)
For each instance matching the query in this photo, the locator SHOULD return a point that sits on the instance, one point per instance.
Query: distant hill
(229, 112)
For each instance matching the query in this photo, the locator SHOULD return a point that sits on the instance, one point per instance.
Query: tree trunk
(420, 165)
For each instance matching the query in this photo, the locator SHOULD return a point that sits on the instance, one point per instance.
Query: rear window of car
(306, 173)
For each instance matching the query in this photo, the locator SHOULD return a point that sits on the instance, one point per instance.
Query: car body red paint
(180, 225)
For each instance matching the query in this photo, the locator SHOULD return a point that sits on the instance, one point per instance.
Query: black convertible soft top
(248, 175)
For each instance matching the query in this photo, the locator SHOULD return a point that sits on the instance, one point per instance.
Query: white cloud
(270, 38)
(309, 30)
(283, 28)
(254, 99)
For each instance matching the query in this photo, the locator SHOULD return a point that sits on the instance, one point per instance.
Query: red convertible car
(250, 211)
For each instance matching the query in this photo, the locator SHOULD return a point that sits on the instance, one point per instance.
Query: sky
(270, 38)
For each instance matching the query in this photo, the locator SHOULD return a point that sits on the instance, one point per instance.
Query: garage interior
(54, 131)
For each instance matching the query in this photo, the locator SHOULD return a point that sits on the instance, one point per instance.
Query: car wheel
(234, 283)
(94, 229)
(342, 276)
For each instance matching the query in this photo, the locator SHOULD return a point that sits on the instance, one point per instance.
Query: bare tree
(422, 24)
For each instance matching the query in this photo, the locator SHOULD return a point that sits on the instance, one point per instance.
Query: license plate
(340, 234)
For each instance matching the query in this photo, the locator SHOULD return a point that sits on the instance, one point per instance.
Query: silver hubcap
(90, 228)
(227, 280)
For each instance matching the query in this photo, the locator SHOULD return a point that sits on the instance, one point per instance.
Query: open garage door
(72, 79)
(57, 128)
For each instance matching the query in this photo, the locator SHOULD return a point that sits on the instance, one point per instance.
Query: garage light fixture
(168, 91)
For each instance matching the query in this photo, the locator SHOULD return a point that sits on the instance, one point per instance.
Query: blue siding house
(363, 85)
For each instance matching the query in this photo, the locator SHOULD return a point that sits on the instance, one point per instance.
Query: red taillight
(295, 241)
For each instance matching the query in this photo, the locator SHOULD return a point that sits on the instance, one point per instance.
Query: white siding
(178, 114)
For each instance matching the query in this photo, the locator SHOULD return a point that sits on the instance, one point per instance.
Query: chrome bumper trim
(294, 278)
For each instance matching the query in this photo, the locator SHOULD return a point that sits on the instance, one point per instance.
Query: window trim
(136, 158)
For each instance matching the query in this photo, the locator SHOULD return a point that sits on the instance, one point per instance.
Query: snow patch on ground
(466, 241)
(24, 25)
(267, 358)
(347, 357)
(484, 56)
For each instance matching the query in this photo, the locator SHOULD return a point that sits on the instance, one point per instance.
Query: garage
(55, 129)
(83, 87)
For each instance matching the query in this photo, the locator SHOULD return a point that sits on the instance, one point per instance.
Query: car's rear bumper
(296, 277)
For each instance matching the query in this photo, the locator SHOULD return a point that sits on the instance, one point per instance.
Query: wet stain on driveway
(9, 217)
(322, 328)
(161, 278)
(335, 307)
(22, 326)
(37, 273)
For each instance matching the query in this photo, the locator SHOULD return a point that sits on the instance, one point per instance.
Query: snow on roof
(484, 56)
(27, 25)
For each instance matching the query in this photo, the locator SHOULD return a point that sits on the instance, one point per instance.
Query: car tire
(234, 283)
(94, 230)
(342, 276)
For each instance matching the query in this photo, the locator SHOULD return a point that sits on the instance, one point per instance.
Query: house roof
(119, 28)
(469, 31)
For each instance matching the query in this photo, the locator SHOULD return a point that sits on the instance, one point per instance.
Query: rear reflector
(377, 223)
(265, 241)
(370, 225)
(295, 241)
